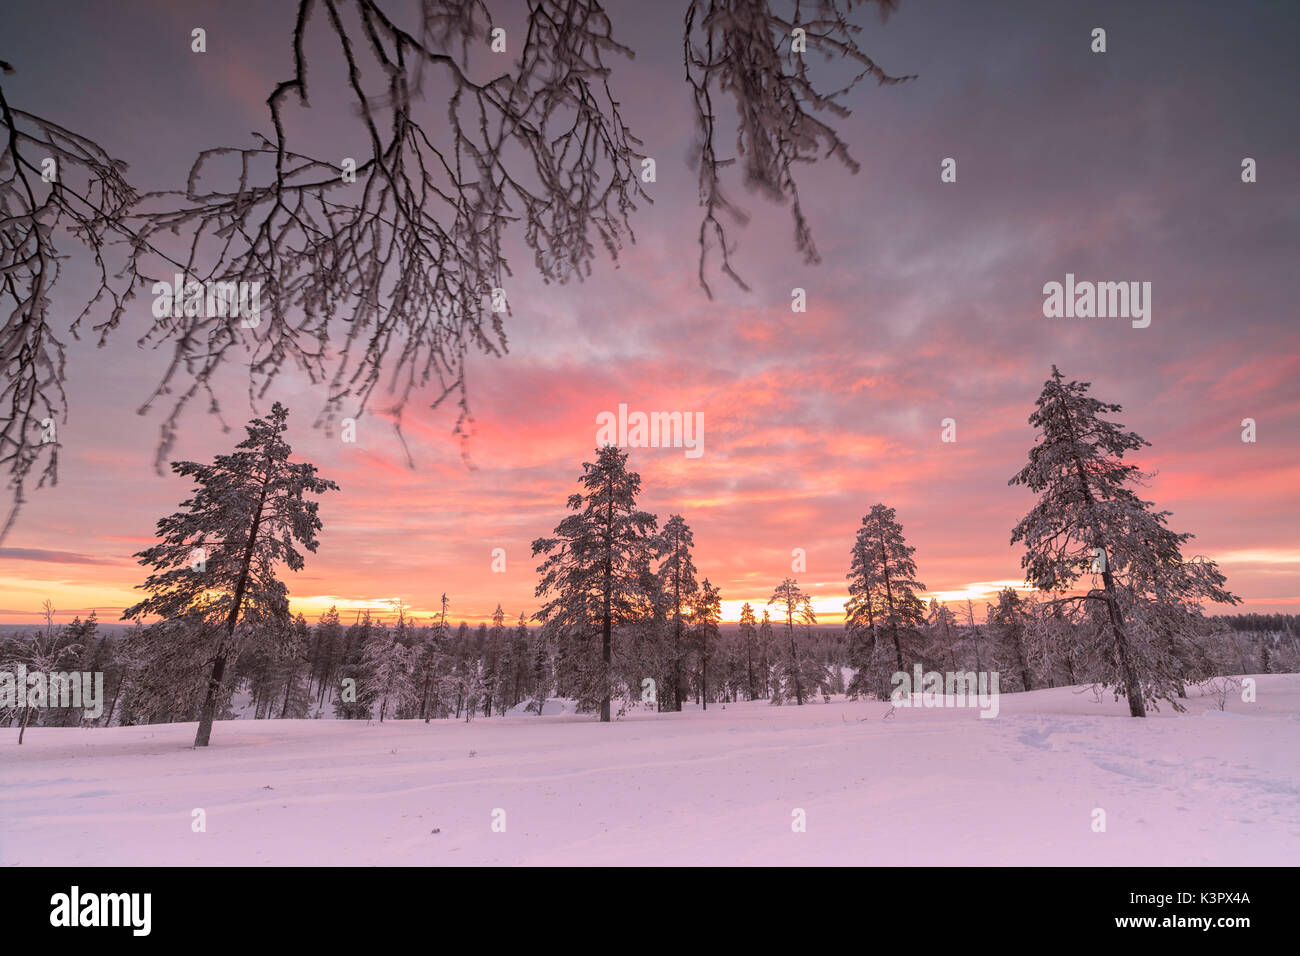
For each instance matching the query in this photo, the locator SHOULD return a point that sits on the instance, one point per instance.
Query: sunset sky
(1123, 166)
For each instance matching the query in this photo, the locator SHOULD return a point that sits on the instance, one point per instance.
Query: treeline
(1278, 624)
(370, 668)
(1033, 643)
(403, 669)
(381, 669)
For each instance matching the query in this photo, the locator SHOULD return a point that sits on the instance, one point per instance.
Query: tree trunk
(27, 713)
(889, 598)
(749, 651)
(219, 665)
(288, 686)
(605, 656)
(794, 669)
(424, 704)
(1020, 657)
(607, 618)
(677, 625)
(1132, 685)
(113, 704)
(209, 711)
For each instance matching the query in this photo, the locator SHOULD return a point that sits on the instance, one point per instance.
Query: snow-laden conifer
(594, 573)
(218, 563)
(1089, 522)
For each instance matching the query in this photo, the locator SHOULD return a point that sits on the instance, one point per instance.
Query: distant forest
(406, 670)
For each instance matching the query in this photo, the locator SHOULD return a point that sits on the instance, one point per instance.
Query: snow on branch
(755, 52)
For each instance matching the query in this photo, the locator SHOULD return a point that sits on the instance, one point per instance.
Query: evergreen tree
(485, 654)
(45, 653)
(354, 700)
(595, 567)
(705, 615)
(520, 682)
(748, 640)
(1089, 521)
(676, 579)
(942, 624)
(85, 653)
(387, 672)
(860, 619)
(503, 670)
(976, 636)
(1009, 621)
(461, 679)
(294, 656)
(796, 604)
(329, 652)
(219, 556)
(883, 586)
(765, 651)
(542, 671)
(430, 663)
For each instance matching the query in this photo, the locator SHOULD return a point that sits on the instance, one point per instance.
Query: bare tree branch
(403, 271)
(51, 179)
(747, 50)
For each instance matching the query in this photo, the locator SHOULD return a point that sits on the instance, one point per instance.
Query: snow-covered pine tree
(1009, 622)
(883, 587)
(542, 671)
(1089, 521)
(860, 612)
(647, 647)
(84, 652)
(813, 674)
(766, 652)
(329, 653)
(706, 612)
(942, 625)
(796, 605)
(431, 665)
(749, 641)
(351, 701)
(680, 590)
(1052, 642)
(387, 673)
(523, 663)
(220, 555)
(975, 635)
(595, 566)
(497, 664)
(292, 670)
(459, 667)
(45, 653)
(126, 664)
(732, 666)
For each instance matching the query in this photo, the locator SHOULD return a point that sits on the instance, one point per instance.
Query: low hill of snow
(922, 787)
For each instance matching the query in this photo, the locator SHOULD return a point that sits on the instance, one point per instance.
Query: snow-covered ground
(921, 788)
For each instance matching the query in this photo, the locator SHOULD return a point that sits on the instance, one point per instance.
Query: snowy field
(922, 788)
